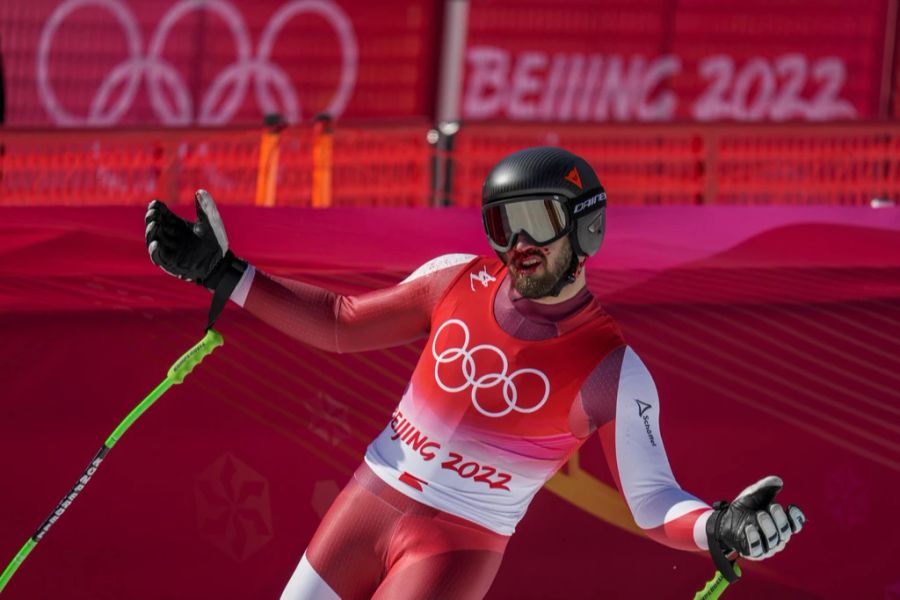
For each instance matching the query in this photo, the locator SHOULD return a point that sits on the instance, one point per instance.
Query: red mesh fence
(381, 166)
(737, 164)
(797, 165)
(377, 165)
(126, 167)
(637, 164)
(390, 165)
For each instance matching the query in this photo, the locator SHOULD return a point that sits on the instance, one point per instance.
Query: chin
(533, 288)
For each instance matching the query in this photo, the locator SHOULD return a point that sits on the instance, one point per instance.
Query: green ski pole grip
(715, 586)
(190, 359)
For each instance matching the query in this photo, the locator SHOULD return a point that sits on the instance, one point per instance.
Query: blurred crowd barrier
(362, 166)
(409, 164)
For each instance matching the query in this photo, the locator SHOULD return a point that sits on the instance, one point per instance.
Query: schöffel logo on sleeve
(643, 407)
(586, 204)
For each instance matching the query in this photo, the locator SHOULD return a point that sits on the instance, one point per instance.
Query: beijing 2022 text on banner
(107, 63)
(657, 60)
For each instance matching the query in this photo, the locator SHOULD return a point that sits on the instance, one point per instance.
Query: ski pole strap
(725, 566)
(225, 280)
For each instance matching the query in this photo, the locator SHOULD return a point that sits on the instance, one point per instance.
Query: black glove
(193, 251)
(752, 526)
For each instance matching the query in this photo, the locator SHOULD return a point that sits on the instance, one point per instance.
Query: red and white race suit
(504, 393)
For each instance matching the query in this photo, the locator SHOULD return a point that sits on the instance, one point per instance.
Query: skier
(521, 366)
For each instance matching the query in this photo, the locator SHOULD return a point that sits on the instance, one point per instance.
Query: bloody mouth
(527, 263)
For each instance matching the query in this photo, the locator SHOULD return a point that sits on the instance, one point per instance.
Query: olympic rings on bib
(488, 380)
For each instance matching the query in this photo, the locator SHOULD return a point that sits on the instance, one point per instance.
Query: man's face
(535, 270)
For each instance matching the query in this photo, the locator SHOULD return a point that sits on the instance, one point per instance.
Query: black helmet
(559, 185)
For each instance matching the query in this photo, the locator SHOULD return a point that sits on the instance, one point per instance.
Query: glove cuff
(226, 274)
(222, 281)
(718, 553)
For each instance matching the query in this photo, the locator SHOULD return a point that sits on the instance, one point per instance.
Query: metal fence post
(441, 139)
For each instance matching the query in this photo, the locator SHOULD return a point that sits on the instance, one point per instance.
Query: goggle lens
(544, 220)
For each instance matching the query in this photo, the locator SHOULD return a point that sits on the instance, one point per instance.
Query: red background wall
(771, 332)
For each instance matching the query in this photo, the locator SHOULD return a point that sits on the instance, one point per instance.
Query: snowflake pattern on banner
(328, 418)
(233, 508)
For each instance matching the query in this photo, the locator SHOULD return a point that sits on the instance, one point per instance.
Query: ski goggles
(544, 219)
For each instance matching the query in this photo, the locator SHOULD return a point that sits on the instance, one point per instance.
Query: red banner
(223, 62)
(661, 61)
(772, 335)
(217, 62)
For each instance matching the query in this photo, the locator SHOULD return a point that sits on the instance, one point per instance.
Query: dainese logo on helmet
(584, 205)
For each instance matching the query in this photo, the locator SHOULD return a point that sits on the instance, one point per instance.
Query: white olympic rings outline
(158, 71)
(488, 380)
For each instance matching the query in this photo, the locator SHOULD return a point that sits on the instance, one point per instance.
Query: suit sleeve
(352, 323)
(621, 401)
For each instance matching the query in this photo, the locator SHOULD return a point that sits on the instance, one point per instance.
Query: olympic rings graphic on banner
(160, 73)
(488, 380)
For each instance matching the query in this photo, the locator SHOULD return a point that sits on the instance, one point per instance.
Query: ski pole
(715, 586)
(176, 374)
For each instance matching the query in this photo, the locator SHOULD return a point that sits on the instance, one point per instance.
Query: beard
(546, 277)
